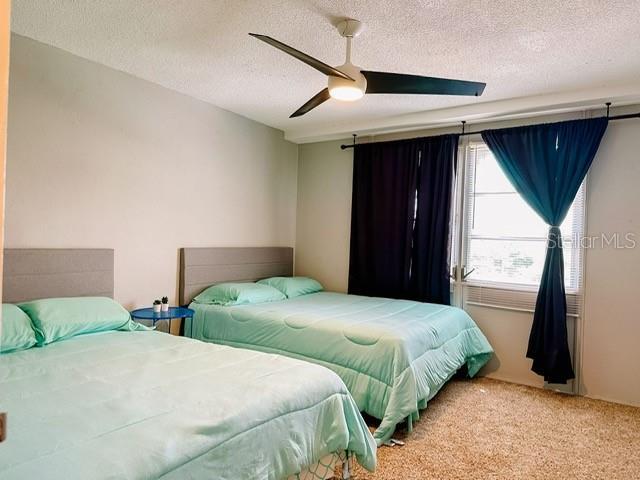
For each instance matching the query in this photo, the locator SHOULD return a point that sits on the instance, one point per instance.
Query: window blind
(504, 241)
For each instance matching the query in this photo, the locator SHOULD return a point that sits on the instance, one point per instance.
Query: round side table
(173, 312)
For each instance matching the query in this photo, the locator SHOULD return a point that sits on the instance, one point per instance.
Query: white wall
(611, 327)
(98, 158)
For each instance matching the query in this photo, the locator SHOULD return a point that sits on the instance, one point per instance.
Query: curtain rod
(615, 117)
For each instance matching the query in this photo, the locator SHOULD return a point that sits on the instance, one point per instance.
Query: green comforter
(393, 355)
(144, 405)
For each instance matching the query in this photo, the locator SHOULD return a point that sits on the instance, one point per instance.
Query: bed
(393, 355)
(146, 404)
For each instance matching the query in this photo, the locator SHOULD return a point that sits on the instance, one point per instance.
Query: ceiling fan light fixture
(346, 93)
(347, 90)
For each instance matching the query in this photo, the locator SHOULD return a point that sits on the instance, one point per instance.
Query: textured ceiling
(201, 48)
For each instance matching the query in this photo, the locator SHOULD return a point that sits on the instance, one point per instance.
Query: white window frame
(503, 295)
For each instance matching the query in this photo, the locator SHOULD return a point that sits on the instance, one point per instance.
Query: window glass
(504, 238)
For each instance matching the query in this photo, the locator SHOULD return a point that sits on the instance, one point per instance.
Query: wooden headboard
(32, 273)
(202, 267)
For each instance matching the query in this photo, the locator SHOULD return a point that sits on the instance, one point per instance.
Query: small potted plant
(157, 306)
(165, 304)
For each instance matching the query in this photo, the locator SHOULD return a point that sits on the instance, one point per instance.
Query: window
(503, 239)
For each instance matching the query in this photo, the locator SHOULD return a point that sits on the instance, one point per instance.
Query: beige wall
(611, 326)
(98, 158)
(5, 38)
(611, 336)
(325, 174)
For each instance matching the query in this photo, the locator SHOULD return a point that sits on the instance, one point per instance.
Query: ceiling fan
(349, 82)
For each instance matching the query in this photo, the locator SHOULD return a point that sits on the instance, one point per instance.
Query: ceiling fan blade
(319, 98)
(383, 82)
(303, 57)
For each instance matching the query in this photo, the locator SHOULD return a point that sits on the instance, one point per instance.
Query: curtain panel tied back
(546, 164)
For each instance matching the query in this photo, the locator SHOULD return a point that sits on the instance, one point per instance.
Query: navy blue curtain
(546, 164)
(430, 281)
(382, 211)
(400, 213)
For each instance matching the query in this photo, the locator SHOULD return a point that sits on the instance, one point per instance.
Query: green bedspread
(144, 405)
(393, 355)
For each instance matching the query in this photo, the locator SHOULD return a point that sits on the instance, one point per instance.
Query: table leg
(191, 327)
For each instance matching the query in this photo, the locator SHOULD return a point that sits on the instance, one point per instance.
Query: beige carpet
(486, 429)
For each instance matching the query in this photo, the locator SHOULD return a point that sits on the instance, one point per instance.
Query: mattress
(393, 355)
(144, 405)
